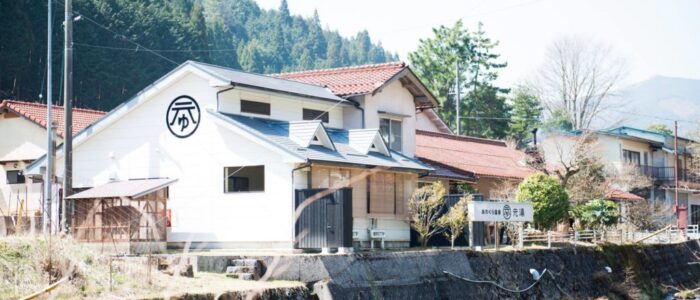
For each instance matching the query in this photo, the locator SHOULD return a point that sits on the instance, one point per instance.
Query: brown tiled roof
(36, 112)
(622, 196)
(483, 157)
(348, 81)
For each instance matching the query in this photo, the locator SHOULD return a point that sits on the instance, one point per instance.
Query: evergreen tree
(483, 107)
(525, 115)
(268, 41)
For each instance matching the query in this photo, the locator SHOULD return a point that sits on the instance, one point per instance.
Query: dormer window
(391, 133)
(312, 114)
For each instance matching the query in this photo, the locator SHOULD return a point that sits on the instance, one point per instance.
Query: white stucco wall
(21, 141)
(394, 99)
(285, 108)
(424, 123)
(139, 145)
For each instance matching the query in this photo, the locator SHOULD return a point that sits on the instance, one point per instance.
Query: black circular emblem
(506, 211)
(182, 117)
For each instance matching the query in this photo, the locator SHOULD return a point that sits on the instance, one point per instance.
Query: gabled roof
(366, 140)
(36, 112)
(218, 76)
(276, 84)
(276, 132)
(306, 132)
(365, 79)
(483, 157)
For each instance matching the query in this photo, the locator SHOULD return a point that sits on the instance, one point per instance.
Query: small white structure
(240, 144)
(22, 140)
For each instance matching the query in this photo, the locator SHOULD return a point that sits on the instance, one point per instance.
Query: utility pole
(48, 180)
(68, 113)
(458, 99)
(680, 224)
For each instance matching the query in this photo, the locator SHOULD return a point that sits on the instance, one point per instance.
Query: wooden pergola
(125, 211)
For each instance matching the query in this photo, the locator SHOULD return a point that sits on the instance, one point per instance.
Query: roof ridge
(464, 138)
(257, 74)
(38, 104)
(346, 68)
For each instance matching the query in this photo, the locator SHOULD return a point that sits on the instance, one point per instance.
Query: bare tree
(579, 76)
(424, 209)
(455, 219)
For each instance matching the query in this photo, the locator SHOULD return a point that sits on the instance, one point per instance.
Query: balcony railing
(667, 174)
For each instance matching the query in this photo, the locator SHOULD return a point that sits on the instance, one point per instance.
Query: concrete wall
(638, 272)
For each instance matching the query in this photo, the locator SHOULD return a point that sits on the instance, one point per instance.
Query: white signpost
(499, 211)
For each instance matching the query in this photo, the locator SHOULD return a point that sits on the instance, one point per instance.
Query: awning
(129, 189)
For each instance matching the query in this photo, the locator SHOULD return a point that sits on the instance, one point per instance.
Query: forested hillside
(109, 67)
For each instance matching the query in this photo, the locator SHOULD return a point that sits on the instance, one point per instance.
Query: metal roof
(258, 81)
(128, 189)
(277, 132)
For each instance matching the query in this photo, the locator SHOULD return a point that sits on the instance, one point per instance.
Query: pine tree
(525, 116)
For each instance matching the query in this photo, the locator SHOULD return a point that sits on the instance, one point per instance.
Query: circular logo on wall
(182, 116)
(506, 211)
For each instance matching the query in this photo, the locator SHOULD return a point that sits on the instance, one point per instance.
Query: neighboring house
(489, 166)
(224, 152)
(23, 139)
(650, 153)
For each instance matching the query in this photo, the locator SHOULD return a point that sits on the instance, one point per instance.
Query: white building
(652, 153)
(235, 146)
(22, 140)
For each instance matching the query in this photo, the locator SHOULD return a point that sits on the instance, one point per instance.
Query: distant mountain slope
(108, 68)
(664, 97)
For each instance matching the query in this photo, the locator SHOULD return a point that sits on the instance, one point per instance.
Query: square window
(244, 179)
(15, 177)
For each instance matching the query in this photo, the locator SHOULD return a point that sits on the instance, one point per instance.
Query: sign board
(492, 211)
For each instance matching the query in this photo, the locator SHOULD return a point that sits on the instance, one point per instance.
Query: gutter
(233, 86)
(357, 106)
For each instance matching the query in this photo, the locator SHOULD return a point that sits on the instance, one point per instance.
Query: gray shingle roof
(267, 82)
(277, 132)
(130, 189)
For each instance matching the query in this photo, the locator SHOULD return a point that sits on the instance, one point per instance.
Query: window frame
(628, 156)
(266, 112)
(325, 116)
(388, 140)
(19, 177)
(226, 178)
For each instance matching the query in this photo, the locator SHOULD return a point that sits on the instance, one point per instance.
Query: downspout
(294, 217)
(233, 86)
(357, 106)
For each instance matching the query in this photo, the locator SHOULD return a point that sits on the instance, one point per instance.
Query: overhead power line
(137, 48)
(123, 37)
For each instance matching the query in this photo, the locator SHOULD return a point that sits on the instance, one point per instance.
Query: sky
(655, 37)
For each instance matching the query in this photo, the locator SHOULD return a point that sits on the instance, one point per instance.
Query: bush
(549, 199)
(597, 213)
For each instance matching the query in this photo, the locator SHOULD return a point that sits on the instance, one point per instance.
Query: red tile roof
(484, 157)
(622, 196)
(348, 81)
(36, 112)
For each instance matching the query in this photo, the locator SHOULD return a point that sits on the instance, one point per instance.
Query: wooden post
(471, 235)
(549, 239)
(521, 236)
(498, 236)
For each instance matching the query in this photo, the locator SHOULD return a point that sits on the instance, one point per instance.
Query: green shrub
(549, 199)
